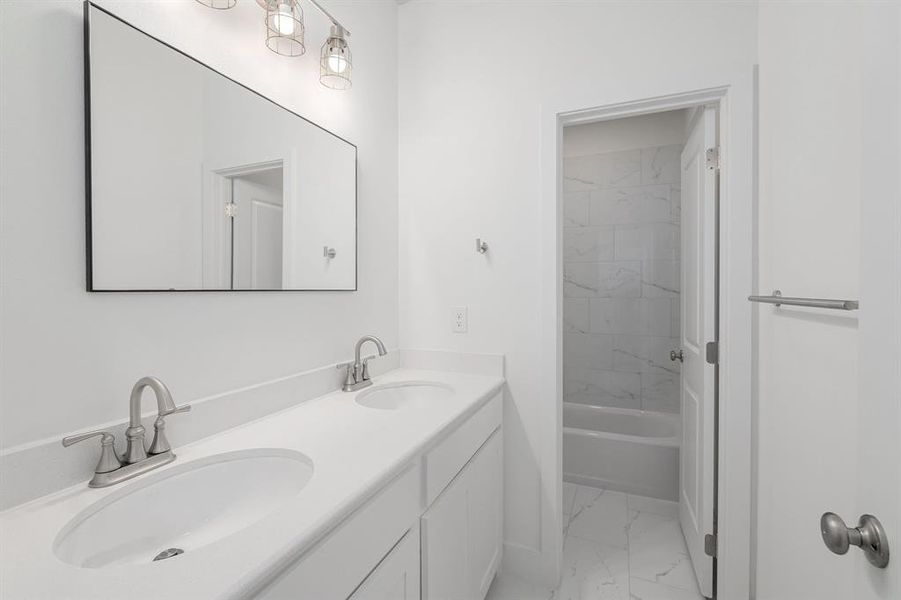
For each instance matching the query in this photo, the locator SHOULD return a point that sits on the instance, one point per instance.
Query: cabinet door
(486, 513)
(397, 576)
(461, 531)
(334, 569)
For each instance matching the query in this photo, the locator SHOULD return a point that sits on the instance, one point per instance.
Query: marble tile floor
(616, 547)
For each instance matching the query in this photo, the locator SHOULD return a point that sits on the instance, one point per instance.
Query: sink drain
(169, 553)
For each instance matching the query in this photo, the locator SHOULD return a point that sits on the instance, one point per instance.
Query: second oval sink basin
(183, 508)
(405, 394)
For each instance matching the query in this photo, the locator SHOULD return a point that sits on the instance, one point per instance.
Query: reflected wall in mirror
(196, 182)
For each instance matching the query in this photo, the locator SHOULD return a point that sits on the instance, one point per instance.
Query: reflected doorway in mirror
(244, 230)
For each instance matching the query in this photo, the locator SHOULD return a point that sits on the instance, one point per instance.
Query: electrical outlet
(459, 319)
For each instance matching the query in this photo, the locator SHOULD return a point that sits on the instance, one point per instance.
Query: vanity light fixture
(285, 36)
(284, 27)
(219, 4)
(335, 62)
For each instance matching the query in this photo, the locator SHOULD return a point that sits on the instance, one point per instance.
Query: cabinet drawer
(443, 462)
(333, 568)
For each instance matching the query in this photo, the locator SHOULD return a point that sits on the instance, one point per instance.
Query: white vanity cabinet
(434, 532)
(462, 530)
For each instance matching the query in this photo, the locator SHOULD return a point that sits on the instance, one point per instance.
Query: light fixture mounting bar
(329, 16)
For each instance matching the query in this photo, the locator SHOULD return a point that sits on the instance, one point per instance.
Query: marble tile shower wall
(621, 278)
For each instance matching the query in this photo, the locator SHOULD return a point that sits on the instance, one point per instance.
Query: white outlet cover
(459, 319)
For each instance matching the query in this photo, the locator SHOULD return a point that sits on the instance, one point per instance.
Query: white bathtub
(621, 449)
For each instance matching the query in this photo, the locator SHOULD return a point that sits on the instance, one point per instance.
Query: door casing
(217, 233)
(733, 415)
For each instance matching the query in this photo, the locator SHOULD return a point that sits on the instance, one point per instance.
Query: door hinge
(230, 209)
(713, 352)
(710, 545)
(713, 158)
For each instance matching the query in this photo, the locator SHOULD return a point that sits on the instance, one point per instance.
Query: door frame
(216, 237)
(733, 465)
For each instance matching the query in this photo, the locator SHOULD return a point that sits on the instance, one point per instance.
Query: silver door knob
(869, 536)
(674, 356)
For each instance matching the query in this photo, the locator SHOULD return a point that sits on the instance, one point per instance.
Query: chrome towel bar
(778, 299)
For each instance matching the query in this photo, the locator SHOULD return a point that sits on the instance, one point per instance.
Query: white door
(878, 468)
(878, 465)
(698, 328)
(257, 228)
(829, 418)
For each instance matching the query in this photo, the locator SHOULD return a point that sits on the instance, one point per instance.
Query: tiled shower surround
(621, 278)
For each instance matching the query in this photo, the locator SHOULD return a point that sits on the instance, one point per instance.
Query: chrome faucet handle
(109, 460)
(160, 443)
(350, 377)
(365, 375)
(178, 409)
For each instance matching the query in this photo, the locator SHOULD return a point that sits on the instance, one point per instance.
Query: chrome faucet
(138, 459)
(357, 376)
(134, 435)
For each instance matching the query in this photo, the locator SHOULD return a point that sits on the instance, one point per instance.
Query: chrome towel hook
(481, 247)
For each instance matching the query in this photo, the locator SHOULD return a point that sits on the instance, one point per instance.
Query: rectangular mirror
(196, 182)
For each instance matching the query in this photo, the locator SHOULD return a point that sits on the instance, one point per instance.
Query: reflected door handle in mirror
(674, 356)
(869, 536)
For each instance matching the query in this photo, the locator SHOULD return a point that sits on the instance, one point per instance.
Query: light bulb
(337, 63)
(284, 20)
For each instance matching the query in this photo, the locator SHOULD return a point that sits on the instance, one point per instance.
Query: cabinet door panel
(461, 532)
(444, 546)
(486, 515)
(397, 576)
(445, 460)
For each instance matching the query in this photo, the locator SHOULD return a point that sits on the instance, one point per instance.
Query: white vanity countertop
(355, 451)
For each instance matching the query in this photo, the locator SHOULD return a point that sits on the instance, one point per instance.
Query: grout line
(603, 188)
(629, 543)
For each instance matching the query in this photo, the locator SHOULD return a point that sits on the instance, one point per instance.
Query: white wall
(475, 82)
(621, 277)
(69, 358)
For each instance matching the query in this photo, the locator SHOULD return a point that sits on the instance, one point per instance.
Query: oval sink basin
(183, 509)
(405, 394)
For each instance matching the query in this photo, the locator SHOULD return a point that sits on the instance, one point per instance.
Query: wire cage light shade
(219, 4)
(284, 27)
(336, 61)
